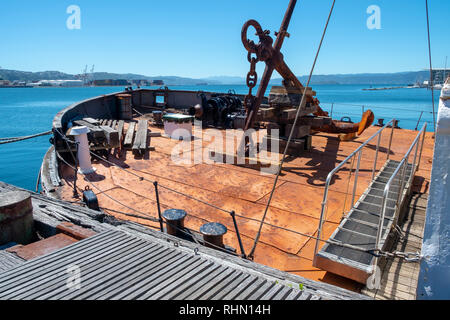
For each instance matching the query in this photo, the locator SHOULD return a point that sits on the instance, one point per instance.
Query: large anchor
(269, 52)
(271, 55)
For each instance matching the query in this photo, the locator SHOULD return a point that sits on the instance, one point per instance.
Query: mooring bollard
(175, 221)
(213, 233)
(16, 217)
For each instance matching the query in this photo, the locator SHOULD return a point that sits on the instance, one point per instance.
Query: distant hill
(363, 78)
(370, 78)
(399, 78)
(13, 75)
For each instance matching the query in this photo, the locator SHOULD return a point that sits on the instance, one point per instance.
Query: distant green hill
(13, 75)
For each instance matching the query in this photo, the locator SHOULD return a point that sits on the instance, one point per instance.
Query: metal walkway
(370, 220)
(117, 265)
(360, 227)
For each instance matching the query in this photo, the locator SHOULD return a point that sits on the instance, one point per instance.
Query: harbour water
(31, 110)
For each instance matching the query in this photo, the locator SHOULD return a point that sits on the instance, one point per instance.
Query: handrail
(335, 170)
(360, 106)
(401, 167)
(411, 123)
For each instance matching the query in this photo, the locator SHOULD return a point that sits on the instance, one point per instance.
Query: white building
(61, 83)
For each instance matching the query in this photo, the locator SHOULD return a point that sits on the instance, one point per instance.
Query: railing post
(158, 205)
(418, 121)
(390, 139)
(414, 168)
(332, 106)
(400, 192)
(233, 216)
(319, 230)
(376, 156)
(382, 215)
(423, 142)
(322, 215)
(356, 177)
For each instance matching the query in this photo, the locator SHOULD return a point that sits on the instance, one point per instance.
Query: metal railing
(357, 152)
(340, 109)
(401, 183)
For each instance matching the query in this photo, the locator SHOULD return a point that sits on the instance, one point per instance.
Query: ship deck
(295, 207)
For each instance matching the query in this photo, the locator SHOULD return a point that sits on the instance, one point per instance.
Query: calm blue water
(31, 110)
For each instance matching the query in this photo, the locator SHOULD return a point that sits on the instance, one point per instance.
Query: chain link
(252, 80)
(407, 256)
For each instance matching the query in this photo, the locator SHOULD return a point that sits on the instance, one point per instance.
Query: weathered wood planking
(9, 261)
(112, 137)
(120, 129)
(92, 121)
(140, 141)
(95, 129)
(129, 136)
(154, 134)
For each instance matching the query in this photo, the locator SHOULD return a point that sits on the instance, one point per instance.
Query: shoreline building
(58, 83)
(439, 76)
(110, 82)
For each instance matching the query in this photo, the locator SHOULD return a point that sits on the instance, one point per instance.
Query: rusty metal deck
(296, 204)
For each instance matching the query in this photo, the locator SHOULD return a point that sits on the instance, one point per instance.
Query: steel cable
(300, 107)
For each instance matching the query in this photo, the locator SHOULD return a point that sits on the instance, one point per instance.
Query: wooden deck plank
(140, 141)
(130, 134)
(120, 129)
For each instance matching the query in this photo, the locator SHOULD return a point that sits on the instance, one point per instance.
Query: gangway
(351, 251)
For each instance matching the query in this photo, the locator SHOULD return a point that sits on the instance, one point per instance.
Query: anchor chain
(252, 80)
(407, 256)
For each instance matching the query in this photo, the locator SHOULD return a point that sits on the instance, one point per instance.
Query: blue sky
(200, 38)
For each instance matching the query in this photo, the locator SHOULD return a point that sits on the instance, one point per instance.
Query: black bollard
(175, 221)
(213, 233)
